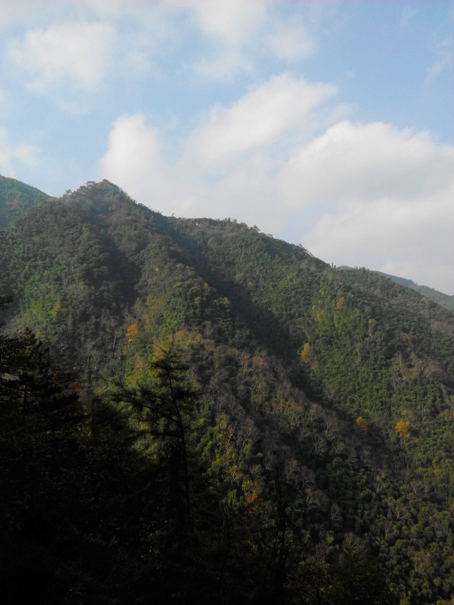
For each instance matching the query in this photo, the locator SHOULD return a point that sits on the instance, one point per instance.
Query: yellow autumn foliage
(361, 424)
(132, 332)
(402, 427)
(306, 352)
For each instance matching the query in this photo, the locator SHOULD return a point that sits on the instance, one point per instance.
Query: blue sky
(324, 123)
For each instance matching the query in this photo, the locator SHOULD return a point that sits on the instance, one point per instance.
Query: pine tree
(163, 407)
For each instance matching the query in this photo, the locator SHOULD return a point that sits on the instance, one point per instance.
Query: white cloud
(377, 196)
(145, 30)
(224, 67)
(25, 13)
(66, 50)
(367, 163)
(134, 149)
(11, 155)
(259, 119)
(285, 41)
(292, 42)
(241, 32)
(411, 239)
(65, 53)
(81, 43)
(134, 161)
(232, 155)
(232, 22)
(389, 197)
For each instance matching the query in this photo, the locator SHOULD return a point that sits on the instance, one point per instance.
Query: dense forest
(195, 412)
(445, 300)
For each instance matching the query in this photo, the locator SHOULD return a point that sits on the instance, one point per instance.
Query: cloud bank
(73, 53)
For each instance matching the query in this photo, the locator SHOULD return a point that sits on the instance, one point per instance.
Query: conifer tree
(163, 406)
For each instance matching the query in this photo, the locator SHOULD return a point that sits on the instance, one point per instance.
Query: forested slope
(315, 438)
(445, 300)
(15, 198)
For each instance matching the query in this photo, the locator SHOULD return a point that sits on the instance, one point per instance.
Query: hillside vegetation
(235, 420)
(15, 198)
(445, 300)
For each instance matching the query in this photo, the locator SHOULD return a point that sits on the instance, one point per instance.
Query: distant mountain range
(445, 300)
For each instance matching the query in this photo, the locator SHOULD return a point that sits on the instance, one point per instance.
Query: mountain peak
(104, 190)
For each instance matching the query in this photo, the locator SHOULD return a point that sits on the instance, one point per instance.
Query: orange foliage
(253, 502)
(132, 332)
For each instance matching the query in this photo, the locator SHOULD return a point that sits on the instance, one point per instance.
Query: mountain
(15, 198)
(286, 424)
(445, 300)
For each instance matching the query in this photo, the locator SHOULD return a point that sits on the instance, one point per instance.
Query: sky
(324, 123)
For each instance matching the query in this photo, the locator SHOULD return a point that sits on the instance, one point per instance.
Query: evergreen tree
(163, 406)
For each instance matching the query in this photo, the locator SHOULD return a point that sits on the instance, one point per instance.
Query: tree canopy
(232, 420)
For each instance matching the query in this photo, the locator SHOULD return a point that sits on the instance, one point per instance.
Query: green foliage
(441, 299)
(260, 462)
(16, 198)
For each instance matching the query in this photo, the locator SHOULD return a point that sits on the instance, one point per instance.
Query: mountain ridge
(330, 390)
(445, 300)
(15, 198)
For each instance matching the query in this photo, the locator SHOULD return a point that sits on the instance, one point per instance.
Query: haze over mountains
(313, 461)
